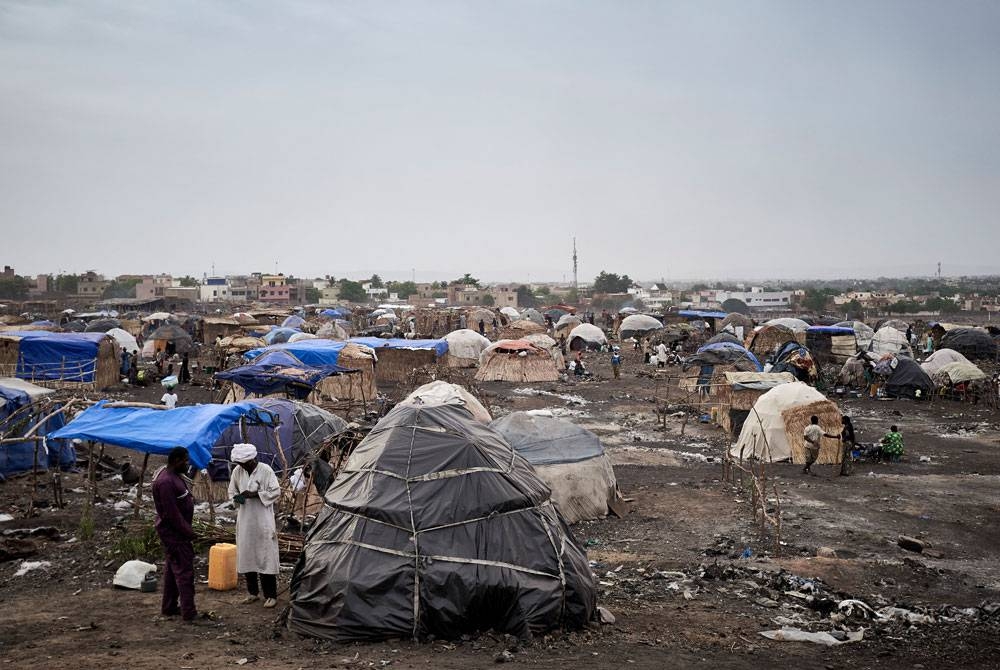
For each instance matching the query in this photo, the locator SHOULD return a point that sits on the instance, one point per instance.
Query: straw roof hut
(518, 329)
(516, 361)
(214, 327)
(765, 341)
(464, 348)
(566, 324)
(474, 316)
(543, 341)
(736, 397)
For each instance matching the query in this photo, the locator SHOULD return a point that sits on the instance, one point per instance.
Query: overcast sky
(672, 139)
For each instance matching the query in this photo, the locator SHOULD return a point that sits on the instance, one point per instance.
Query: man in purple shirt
(174, 511)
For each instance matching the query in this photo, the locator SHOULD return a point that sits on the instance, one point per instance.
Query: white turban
(243, 453)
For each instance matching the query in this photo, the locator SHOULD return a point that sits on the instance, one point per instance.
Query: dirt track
(683, 516)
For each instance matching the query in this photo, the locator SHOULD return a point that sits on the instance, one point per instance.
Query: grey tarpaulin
(437, 527)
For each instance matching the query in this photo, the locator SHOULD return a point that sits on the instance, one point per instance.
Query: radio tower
(576, 287)
(939, 269)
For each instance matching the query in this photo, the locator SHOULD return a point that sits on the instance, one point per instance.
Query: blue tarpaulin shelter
(700, 314)
(316, 352)
(17, 417)
(156, 431)
(732, 346)
(279, 335)
(440, 347)
(830, 330)
(57, 356)
(279, 371)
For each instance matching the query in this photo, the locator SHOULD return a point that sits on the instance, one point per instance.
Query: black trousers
(269, 582)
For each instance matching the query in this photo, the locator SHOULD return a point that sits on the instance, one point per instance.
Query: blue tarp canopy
(699, 314)
(157, 431)
(278, 335)
(336, 313)
(315, 353)
(16, 419)
(57, 356)
(830, 330)
(732, 346)
(280, 371)
(294, 321)
(440, 347)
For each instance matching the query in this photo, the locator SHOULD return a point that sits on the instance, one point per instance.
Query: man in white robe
(254, 488)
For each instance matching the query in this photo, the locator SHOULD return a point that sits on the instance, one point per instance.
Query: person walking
(184, 376)
(174, 512)
(813, 435)
(661, 355)
(847, 442)
(254, 488)
(616, 362)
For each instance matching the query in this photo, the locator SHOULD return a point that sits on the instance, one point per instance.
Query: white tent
(638, 324)
(510, 313)
(124, 339)
(796, 325)
(941, 358)
(958, 372)
(773, 430)
(464, 347)
(301, 336)
(888, 340)
(442, 393)
(862, 332)
(585, 336)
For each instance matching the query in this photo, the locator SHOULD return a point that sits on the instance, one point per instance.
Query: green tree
(488, 300)
(352, 291)
(525, 298)
(852, 308)
(120, 289)
(735, 305)
(543, 291)
(573, 296)
(611, 283)
(467, 279)
(13, 288)
(188, 280)
(67, 283)
(404, 289)
(376, 282)
(313, 294)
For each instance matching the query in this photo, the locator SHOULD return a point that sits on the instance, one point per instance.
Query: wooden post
(138, 489)
(93, 473)
(211, 498)
(34, 479)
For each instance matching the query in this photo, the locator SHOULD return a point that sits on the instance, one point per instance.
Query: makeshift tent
(437, 528)
(397, 358)
(516, 361)
(569, 459)
(543, 341)
(244, 319)
(764, 341)
(74, 327)
(888, 340)
(531, 314)
(298, 337)
(22, 406)
(734, 321)
(729, 352)
(477, 314)
(586, 336)
(280, 372)
(215, 328)
(973, 343)
(169, 336)
(738, 394)
(518, 329)
(794, 358)
(332, 330)
(125, 340)
(773, 430)
(101, 325)
(319, 352)
(279, 335)
(725, 336)
(638, 325)
(905, 378)
(794, 325)
(862, 332)
(442, 393)
(464, 348)
(294, 321)
(957, 373)
(42, 357)
(510, 313)
(897, 324)
(157, 431)
(933, 364)
(566, 324)
(831, 344)
(705, 370)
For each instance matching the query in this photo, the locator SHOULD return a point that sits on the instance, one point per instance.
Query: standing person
(174, 511)
(185, 374)
(661, 355)
(169, 397)
(929, 344)
(126, 360)
(254, 488)
(133, 369)
(616, 362)
(462, 322)
(848, 442)
(578, 368)
(482, 328)
(813, 435)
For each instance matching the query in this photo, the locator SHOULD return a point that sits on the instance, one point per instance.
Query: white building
(757, 298)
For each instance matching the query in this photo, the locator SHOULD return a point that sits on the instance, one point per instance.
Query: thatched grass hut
(216, 327)
(737, 395)
(516, 361)
(543, 341)
(358, 387)
(774, 429)
(518, 329)
(763, 342)
(69, 360)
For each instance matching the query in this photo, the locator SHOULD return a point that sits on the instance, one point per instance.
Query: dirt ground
(672, 571)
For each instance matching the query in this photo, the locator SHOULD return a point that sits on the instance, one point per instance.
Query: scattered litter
(572, 399)
(830, 639)
(604, 616)
(28, 566)
(132, 573)
(911, 544)
(6, 517)
(898, 613)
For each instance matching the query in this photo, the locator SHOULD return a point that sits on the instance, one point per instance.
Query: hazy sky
(673, 139)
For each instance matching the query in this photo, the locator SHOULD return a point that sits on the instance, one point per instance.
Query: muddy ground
(672, 571)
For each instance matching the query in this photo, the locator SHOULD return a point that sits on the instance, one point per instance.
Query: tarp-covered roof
(280, 372)
(316, 352)
(701, 314)
(440, 347)
(157, 431)
(544, 440)
(58, 356)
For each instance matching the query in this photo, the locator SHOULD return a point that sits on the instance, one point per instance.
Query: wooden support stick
(138, 487)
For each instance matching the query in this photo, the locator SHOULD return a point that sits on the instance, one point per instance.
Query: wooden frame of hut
(503, 362)
(737, 395)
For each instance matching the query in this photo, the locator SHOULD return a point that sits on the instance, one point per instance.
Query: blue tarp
(336, 313)
(157, 431)
(830, 330)
(279, 372)
(278, 335)
(715, 346)
(699, 314)
(57, 356)
(294, 321)
(316, 352)
(440, 347)
(20, 457)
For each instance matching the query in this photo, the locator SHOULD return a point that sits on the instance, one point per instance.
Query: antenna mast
(576, 286)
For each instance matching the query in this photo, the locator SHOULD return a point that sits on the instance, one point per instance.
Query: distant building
(757, 298)
(274, 289)
(91, 286)
(214, 289)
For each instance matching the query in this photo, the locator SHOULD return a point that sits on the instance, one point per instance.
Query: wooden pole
(138, 489)
(211, 498)
(34, 479)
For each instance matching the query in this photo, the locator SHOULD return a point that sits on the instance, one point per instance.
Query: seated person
(892, 445)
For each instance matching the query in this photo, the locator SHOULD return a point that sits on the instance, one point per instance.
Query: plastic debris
(829, 639)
